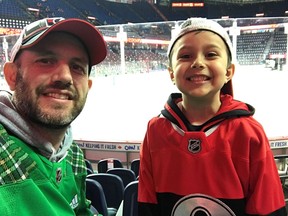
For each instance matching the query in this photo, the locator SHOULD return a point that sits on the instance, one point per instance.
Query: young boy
(205, 154)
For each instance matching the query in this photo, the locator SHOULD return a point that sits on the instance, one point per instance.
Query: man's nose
(63, 74)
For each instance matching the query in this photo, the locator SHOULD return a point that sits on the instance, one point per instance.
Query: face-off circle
(200, 205)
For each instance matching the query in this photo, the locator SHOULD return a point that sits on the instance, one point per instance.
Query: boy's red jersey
(226, 161)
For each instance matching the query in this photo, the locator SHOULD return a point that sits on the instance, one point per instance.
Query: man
(42, 171)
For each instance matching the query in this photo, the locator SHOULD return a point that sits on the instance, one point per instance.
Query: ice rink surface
(119, 107)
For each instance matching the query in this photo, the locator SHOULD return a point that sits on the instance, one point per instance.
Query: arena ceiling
(241, 1)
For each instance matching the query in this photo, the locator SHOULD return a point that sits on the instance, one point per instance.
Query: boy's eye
(211, 54)
(185, 56)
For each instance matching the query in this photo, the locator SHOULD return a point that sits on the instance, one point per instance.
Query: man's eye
(45, 61)
(79, 69)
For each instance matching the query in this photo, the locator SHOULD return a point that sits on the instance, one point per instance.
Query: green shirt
(30, 184)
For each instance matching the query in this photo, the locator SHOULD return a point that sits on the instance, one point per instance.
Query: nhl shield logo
(194, 146)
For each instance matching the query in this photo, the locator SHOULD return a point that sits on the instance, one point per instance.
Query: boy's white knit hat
(196, 24)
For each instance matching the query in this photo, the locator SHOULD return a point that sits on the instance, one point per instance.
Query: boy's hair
(203, 24)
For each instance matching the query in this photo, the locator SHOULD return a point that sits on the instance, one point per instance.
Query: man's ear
(171, 73)
(230, 72)
(10, 73)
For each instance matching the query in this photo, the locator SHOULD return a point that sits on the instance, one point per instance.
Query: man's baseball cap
(198, 24)
(92, 39)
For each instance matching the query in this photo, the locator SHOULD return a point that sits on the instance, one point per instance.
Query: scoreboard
(193, 8)
(187, 4)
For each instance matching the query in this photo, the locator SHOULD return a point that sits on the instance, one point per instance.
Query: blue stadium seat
(95, 193)
(107, 163)
(130, 203)
(125, 174)
(112, 186)
(135, 165)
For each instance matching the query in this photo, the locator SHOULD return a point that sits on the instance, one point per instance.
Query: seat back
(112, 186)
(108, 163)
(125, 174)
(95, 193)
(130, 202)
(135, 165)
(89, 166)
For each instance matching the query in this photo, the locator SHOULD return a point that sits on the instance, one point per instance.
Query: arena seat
(89, 166)
(127, 175)
(107, 163)
(112, 186)
(95, 193)
(135, 165)
(130, 203)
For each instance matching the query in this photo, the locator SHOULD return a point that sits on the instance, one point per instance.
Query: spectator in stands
(205, 153)
(42, 170)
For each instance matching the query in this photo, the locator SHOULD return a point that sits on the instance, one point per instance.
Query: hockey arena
(132, 84)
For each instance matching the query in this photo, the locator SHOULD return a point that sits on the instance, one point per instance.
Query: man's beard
(29, 107)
